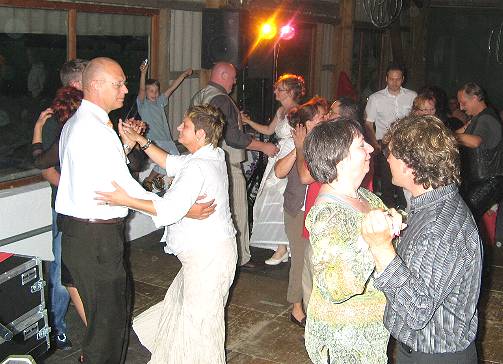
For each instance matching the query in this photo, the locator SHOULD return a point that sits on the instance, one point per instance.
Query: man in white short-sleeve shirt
(383, 108)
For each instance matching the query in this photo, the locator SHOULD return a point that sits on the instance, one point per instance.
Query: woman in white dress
(268, 227)
(188, 326)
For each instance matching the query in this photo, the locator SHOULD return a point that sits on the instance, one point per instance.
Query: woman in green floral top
(345, 312)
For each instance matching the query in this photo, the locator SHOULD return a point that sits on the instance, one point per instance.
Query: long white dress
(268, 225)
(188, 327)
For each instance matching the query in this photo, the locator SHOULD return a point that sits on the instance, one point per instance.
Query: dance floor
(258, 328)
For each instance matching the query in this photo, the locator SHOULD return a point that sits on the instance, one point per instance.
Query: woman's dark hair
(208, 118)
(328, 144)
(292, 83)
(307, 111)
(66, 102)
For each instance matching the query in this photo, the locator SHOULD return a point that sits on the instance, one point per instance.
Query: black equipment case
(24, 327)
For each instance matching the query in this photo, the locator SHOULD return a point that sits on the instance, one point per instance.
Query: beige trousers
(298, 244)
(307, 276)
(238, 199)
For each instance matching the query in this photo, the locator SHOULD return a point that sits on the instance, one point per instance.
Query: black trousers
(404, 355)
(94, 255)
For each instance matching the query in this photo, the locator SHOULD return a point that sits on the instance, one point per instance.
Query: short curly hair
(294, 83)
(427, 146)
(208, 118)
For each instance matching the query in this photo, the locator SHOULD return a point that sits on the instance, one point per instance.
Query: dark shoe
(159, 183)
(62, 342)
(301, 323)
(148, 185)
(249, 265)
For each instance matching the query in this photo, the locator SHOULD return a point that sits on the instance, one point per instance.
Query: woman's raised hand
(245, 119)
(44, 116)
(128, 133)
(299, 135)
(138, 126)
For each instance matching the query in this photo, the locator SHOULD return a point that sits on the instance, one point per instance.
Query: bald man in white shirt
(91, 157)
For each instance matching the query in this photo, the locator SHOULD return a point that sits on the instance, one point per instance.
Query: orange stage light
(268, 30)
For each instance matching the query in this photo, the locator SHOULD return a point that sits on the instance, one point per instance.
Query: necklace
(355, 198)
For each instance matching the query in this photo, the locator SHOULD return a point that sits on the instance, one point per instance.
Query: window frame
(72, 10)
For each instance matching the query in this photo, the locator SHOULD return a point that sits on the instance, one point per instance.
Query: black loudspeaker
(224, 37)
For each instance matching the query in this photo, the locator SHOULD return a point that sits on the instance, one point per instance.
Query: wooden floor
(258, 328)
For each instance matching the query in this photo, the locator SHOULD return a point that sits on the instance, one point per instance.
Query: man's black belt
(407, 348)
(115, 220)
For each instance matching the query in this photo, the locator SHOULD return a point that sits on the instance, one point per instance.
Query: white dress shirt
(91, 157)
(201, 173)
(384, 108)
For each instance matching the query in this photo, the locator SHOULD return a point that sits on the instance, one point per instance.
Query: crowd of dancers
(404, 262)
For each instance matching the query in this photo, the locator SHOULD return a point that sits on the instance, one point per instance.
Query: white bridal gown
(268, 225)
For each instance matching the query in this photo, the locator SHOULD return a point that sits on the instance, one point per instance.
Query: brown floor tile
(493, 278)
(261, 293)
(261, 335)
(240, 358)
(155, 268)
(149, 290)
(490, 341)
(491, 307)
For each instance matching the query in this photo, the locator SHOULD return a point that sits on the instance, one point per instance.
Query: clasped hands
(378, 230)
(131, 130)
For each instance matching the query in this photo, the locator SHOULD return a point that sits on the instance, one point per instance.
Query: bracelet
(146, 145)
(126, 147)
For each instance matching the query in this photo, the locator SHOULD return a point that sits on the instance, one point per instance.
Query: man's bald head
(103, 82)
(96, 69)
(224, 74)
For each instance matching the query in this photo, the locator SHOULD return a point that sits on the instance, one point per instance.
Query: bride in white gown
(188, 327)
(268, 226)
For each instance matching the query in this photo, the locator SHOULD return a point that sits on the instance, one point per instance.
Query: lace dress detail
(268, 226)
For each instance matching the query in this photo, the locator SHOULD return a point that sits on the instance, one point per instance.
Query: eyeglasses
(428, 110)
(116, 84)
(280, 89)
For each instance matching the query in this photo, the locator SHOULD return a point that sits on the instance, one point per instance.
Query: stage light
(268, 30)
(287, 32)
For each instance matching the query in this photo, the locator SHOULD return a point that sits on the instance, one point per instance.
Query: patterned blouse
(345, 312)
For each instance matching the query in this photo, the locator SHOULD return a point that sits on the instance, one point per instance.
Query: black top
(46, 154)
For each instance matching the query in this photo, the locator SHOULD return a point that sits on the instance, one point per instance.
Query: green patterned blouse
(345, 312)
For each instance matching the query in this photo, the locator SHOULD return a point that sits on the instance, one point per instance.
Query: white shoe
(272, 261)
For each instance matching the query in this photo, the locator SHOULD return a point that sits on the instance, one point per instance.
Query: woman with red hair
(64, 105)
